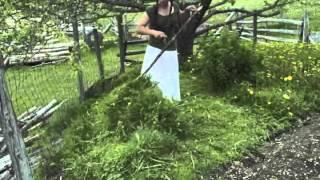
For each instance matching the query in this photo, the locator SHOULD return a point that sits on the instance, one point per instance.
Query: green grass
(250, 4)
(132, 133)
(220, 132)
(37, 86)
(221, 127)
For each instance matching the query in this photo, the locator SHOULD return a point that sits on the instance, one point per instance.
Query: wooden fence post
(122, 46)
(97, 48)
(301, 31)
(126, 36)
(77, 57)
(255, 28)
(230, 25)
(305, 35)
(12, 134)
(83, 30)
(237, 24)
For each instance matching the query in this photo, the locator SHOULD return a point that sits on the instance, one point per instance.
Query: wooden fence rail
(251, 31)
(273, 20)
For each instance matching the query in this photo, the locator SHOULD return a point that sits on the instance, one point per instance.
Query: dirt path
(292, 155)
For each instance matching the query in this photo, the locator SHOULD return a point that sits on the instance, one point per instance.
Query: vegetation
(134, 133)
(235, 96)
(57, 81)
(233, 61)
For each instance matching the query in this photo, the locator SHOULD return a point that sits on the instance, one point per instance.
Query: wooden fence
(251, 30)
(125, 40)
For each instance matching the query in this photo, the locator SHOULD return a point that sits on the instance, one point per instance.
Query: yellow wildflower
(250, 91)
(289, 78)
(290, 114)
(286, 96)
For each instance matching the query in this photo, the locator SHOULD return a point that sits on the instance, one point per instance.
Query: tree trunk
(77, 56)
(122, 43)
(186, 39)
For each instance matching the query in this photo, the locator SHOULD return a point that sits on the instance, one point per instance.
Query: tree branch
(222, 24)
(270, 14)
(277, 3)
(218, 4)
(124, 3)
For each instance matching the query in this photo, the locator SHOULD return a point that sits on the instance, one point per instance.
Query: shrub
(225, 61)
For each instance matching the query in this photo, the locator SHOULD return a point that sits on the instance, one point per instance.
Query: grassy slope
(220, 132)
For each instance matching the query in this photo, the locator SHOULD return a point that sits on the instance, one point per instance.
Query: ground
(291, 155)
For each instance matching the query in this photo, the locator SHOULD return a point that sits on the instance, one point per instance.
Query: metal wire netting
(51, 74)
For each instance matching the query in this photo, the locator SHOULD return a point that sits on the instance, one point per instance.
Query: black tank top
(167, 24)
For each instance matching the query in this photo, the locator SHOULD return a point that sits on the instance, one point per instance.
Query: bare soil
(291, 155)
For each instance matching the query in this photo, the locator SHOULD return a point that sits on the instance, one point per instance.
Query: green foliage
(56, 82)
(21, 28)
(282, 104)
(226, 61)
(286, 87)
(294, 65)
(134, 133)
(92, 149)
(141, 157)
(140, 105)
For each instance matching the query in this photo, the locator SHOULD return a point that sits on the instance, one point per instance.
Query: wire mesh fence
(35, 84)
(45, 82)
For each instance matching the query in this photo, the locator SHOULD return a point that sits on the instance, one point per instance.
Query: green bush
(226, 61)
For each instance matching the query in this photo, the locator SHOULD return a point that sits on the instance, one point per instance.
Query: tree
(209, 10)
(21, 30)
(73, 12)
